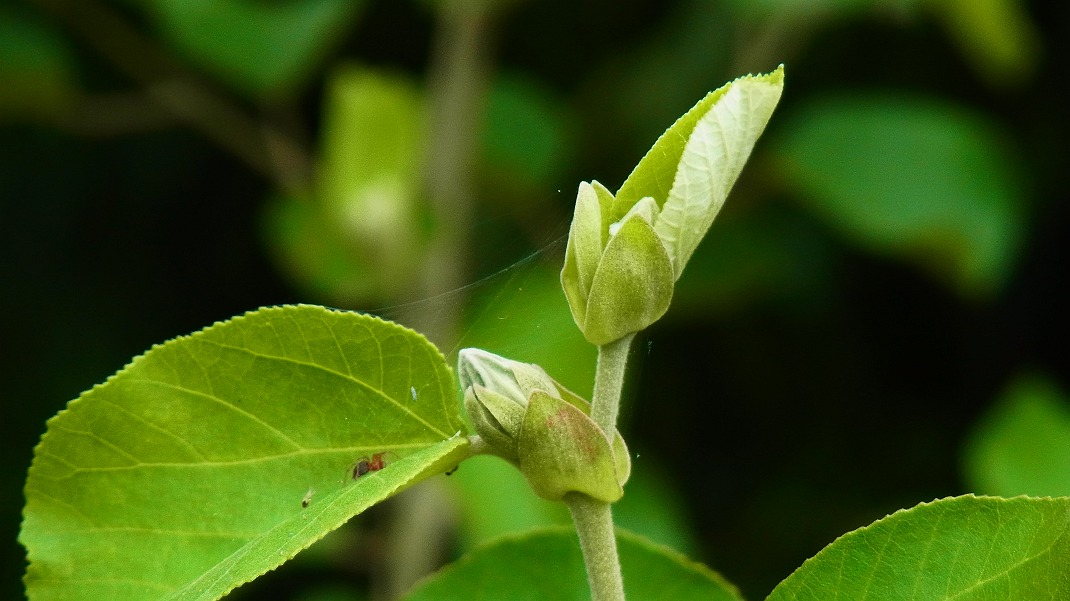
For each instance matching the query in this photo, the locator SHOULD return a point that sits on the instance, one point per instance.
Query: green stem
(593, 518)
(594, 524)
(608, 382)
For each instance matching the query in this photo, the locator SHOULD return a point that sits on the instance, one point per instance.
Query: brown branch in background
(457, 87)
(184, 95)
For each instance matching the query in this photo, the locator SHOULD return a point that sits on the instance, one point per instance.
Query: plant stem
(593, 518)
(608, 382)
(594, 524)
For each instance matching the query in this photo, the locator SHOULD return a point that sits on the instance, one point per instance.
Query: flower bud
(618, 277)
(529, 419)
(496, 393)
(625, 252)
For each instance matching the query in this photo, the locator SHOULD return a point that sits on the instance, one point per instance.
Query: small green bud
(531, 420)
(496, 393)
(617, 277)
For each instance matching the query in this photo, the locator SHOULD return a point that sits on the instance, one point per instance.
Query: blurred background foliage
(874, 321)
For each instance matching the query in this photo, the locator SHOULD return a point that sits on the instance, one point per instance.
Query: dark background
(795, 411)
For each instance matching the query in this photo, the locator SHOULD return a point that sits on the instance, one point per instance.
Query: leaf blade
(212, 443)
(963, 548)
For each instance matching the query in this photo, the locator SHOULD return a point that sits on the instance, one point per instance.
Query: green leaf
(962, 548)
(546, 565)
(694, 164)
(1022, 444)
(215, 457)
(262, 48)
(712, 159)
(912, 178)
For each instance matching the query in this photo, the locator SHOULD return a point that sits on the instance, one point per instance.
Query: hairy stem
(608, 382)
(594, 524)
(594, 519)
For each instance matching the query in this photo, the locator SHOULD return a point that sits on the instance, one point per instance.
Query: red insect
(365, 465)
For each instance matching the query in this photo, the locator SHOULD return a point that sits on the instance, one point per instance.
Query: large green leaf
(914, 178)
(546, 565)
(215, 457)
(1022, 444)
(962, 548)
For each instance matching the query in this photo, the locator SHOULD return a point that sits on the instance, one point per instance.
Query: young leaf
(215, 457)
(693, 165)
(547, 564)
(964, 548)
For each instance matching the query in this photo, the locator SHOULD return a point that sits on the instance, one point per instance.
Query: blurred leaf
(1022, 444)
(652, 508)
(496, 500)
(36, 78)
(913, 178)
(357, 241)
(805, 9)
(997, 36)
(965, 548)
(546, 565)
(215, 457)
(265, 48)
(525, 135)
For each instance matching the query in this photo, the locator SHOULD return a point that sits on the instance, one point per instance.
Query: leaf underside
(215, 457)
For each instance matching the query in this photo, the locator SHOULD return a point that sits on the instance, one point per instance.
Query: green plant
(216, 457)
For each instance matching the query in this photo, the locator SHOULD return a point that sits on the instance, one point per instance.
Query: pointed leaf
(712, 160)
(547, 565)
(655, 174)
(215, 457)
(962, 548)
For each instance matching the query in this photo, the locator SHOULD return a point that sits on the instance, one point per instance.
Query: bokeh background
(874, 321)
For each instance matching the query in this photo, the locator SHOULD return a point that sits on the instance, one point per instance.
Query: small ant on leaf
(365, 465)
